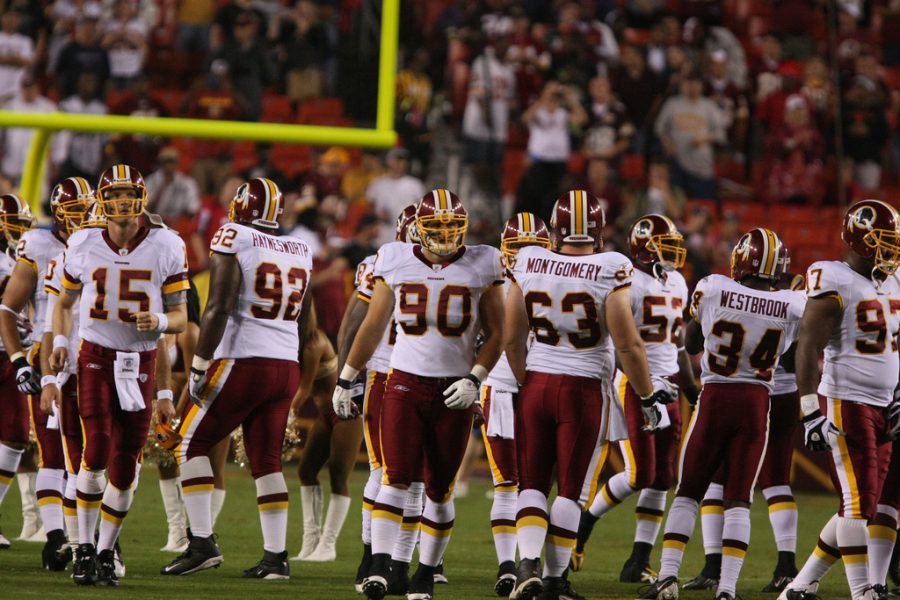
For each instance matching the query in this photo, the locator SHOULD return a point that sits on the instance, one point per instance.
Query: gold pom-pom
(292, 442)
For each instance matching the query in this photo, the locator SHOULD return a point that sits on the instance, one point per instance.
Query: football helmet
(441, 222)
(166, 436)
(68, 200)
(406, 226)
(15, 218)
(257, 202)
(872, 231)
(522, 229)
(119, 177)
(655, 239)
(757, 254)
(578, 218)
(92, 217)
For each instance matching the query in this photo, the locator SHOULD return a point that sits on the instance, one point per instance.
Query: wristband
(48, 380)
(165, 395)
(811, 416)
(200, 364)
(163, 322)
(479, 373)
(60, 341)
(4, 307)
(809, 403)
(348, 373)
(14, 357)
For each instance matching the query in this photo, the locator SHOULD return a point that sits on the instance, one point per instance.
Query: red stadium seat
(632, 168)
(292, 159)
(276, 109)
(314, 110)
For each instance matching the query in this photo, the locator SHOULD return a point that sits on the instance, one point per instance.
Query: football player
(245, 372)
(15, 219)
(35, 249)
(575, 302)
(498, 394)
(774, 477)
(851, 314)
(131, 281)
(658, 298)
(378, 367)
(439, 293)
(742, 327)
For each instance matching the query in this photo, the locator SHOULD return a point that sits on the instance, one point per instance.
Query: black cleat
(528, 579)
(421, 586)
(84, 572)
(506, 579)
(778, 583)
(724, 596)
(106, 569)
(569, 592)
(57, 554)
(701, 582)
(365, 563)
(663, 589)
(201, 553)
(635, 572)
(398, 580)
(439, 576)
(272, 566)
(558, 588)
(374, 587)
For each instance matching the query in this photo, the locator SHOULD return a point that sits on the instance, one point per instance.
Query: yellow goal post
(382, 136)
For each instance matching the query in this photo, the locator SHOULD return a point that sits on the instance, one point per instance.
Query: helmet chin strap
(660, 271)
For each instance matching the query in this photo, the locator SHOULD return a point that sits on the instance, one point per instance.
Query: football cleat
(663, 589)
(569, 592)
(119, 560)
(398, 580)
(439, 576)
(84, 572)
(724, 596)
(4, 542)
(800, 593)
(875, 592)
(635, 572)
(273, 566)
(201, 553)
(421, 586)
(701, 582)
(506, 579)
(558, 588)
(528, 579)
(374, 587)
(364, 564)
(106, 569)
(778, 583)
(57, 554)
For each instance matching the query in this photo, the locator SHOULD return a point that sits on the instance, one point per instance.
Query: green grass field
(470, 561)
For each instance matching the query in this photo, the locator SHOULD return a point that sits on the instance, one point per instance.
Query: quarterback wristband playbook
(60, 341)
(477, 375)
(48, 380)
(200, 365)
(809, 405)
(165, 395)
(347, 377)
(13, 358)
(163, 322)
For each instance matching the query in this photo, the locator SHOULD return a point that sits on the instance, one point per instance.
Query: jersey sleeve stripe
(28, 262)
(176, 286)
(51, 290)
(624, 286)
(832, 294)
(183, 276)
(364, 298)
(69, 282)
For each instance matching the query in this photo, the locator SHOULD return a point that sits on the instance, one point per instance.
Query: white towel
(126, 369)
(61, 378)
(618, 426)
(53, 419)
(664, 420)
(502, 418)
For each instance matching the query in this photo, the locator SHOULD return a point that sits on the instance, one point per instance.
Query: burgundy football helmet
(406, 226)
(757, 254)
(655, 239)
(872, 230)
(68, 201)
(117, 177)
(257, 202)
(441, 222)
(93, 217)
(578, 218)
(522, 229)
(15, 218)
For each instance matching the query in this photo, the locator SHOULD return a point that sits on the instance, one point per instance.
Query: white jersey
(746, 330)
(52, 286)
(116, 283)
(861, 362)
(565, 297)
(436, 306)
(501, 376)
(783, 382)
(658, 308)
(36, 248)
(275, 276)
(365, 286)
(6, 268)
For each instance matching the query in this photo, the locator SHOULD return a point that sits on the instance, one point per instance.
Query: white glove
(342, 399)
(668, 391)
(651, 413)
(664, 392)
(817, 428)
(462, 393)
(198, 380)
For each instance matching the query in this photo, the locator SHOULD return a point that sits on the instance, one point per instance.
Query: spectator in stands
(302, 49)
(84, 151)
(795, 151)
(485, 120)
(364, 243)
(325, 179)
(770, 108)
(224, 24)
(639, 90)
(702, 39)
(865, 130)
(731, 102)
(529, 58)
(793, 21)
(263, 167)
(689, 126)
(723, 241)
(817, 88)
(194, 20)
(173, 195)
(659, 197)
(357, 178)
(765, 66)
(852, 41)
(82, 55)
(696, 230)
(17, 140)
(549, 121)
(394, 191)
(413, 103)
(16, 55)
(213, 214)
(139, 151)
(248, 62)
(598, 181)
(609, 131)
(34, 23)
(65, 15)
(581, 46)
(125, 39)
(888, 13)
(212, 97)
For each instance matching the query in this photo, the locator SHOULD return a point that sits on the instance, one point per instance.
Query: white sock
(113, 510)
(712, 519)
(216, 502)
(9, 462)
(272, 502)
(611, 494)
(735, 540)
(49, 491)
(370, 492)
(679, 527)
(387, 516)
(782, 516)
(503, 522)
(437, 525)
(564, 517)
(648, 513)
(90, 495)
(70, 510)
(882, 536)
(196, 490)
(411, 525)
(853, 541)
(532, 522)
(825, 554)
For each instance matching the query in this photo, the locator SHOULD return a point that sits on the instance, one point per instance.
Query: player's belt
(104, 352)
(427, 378)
